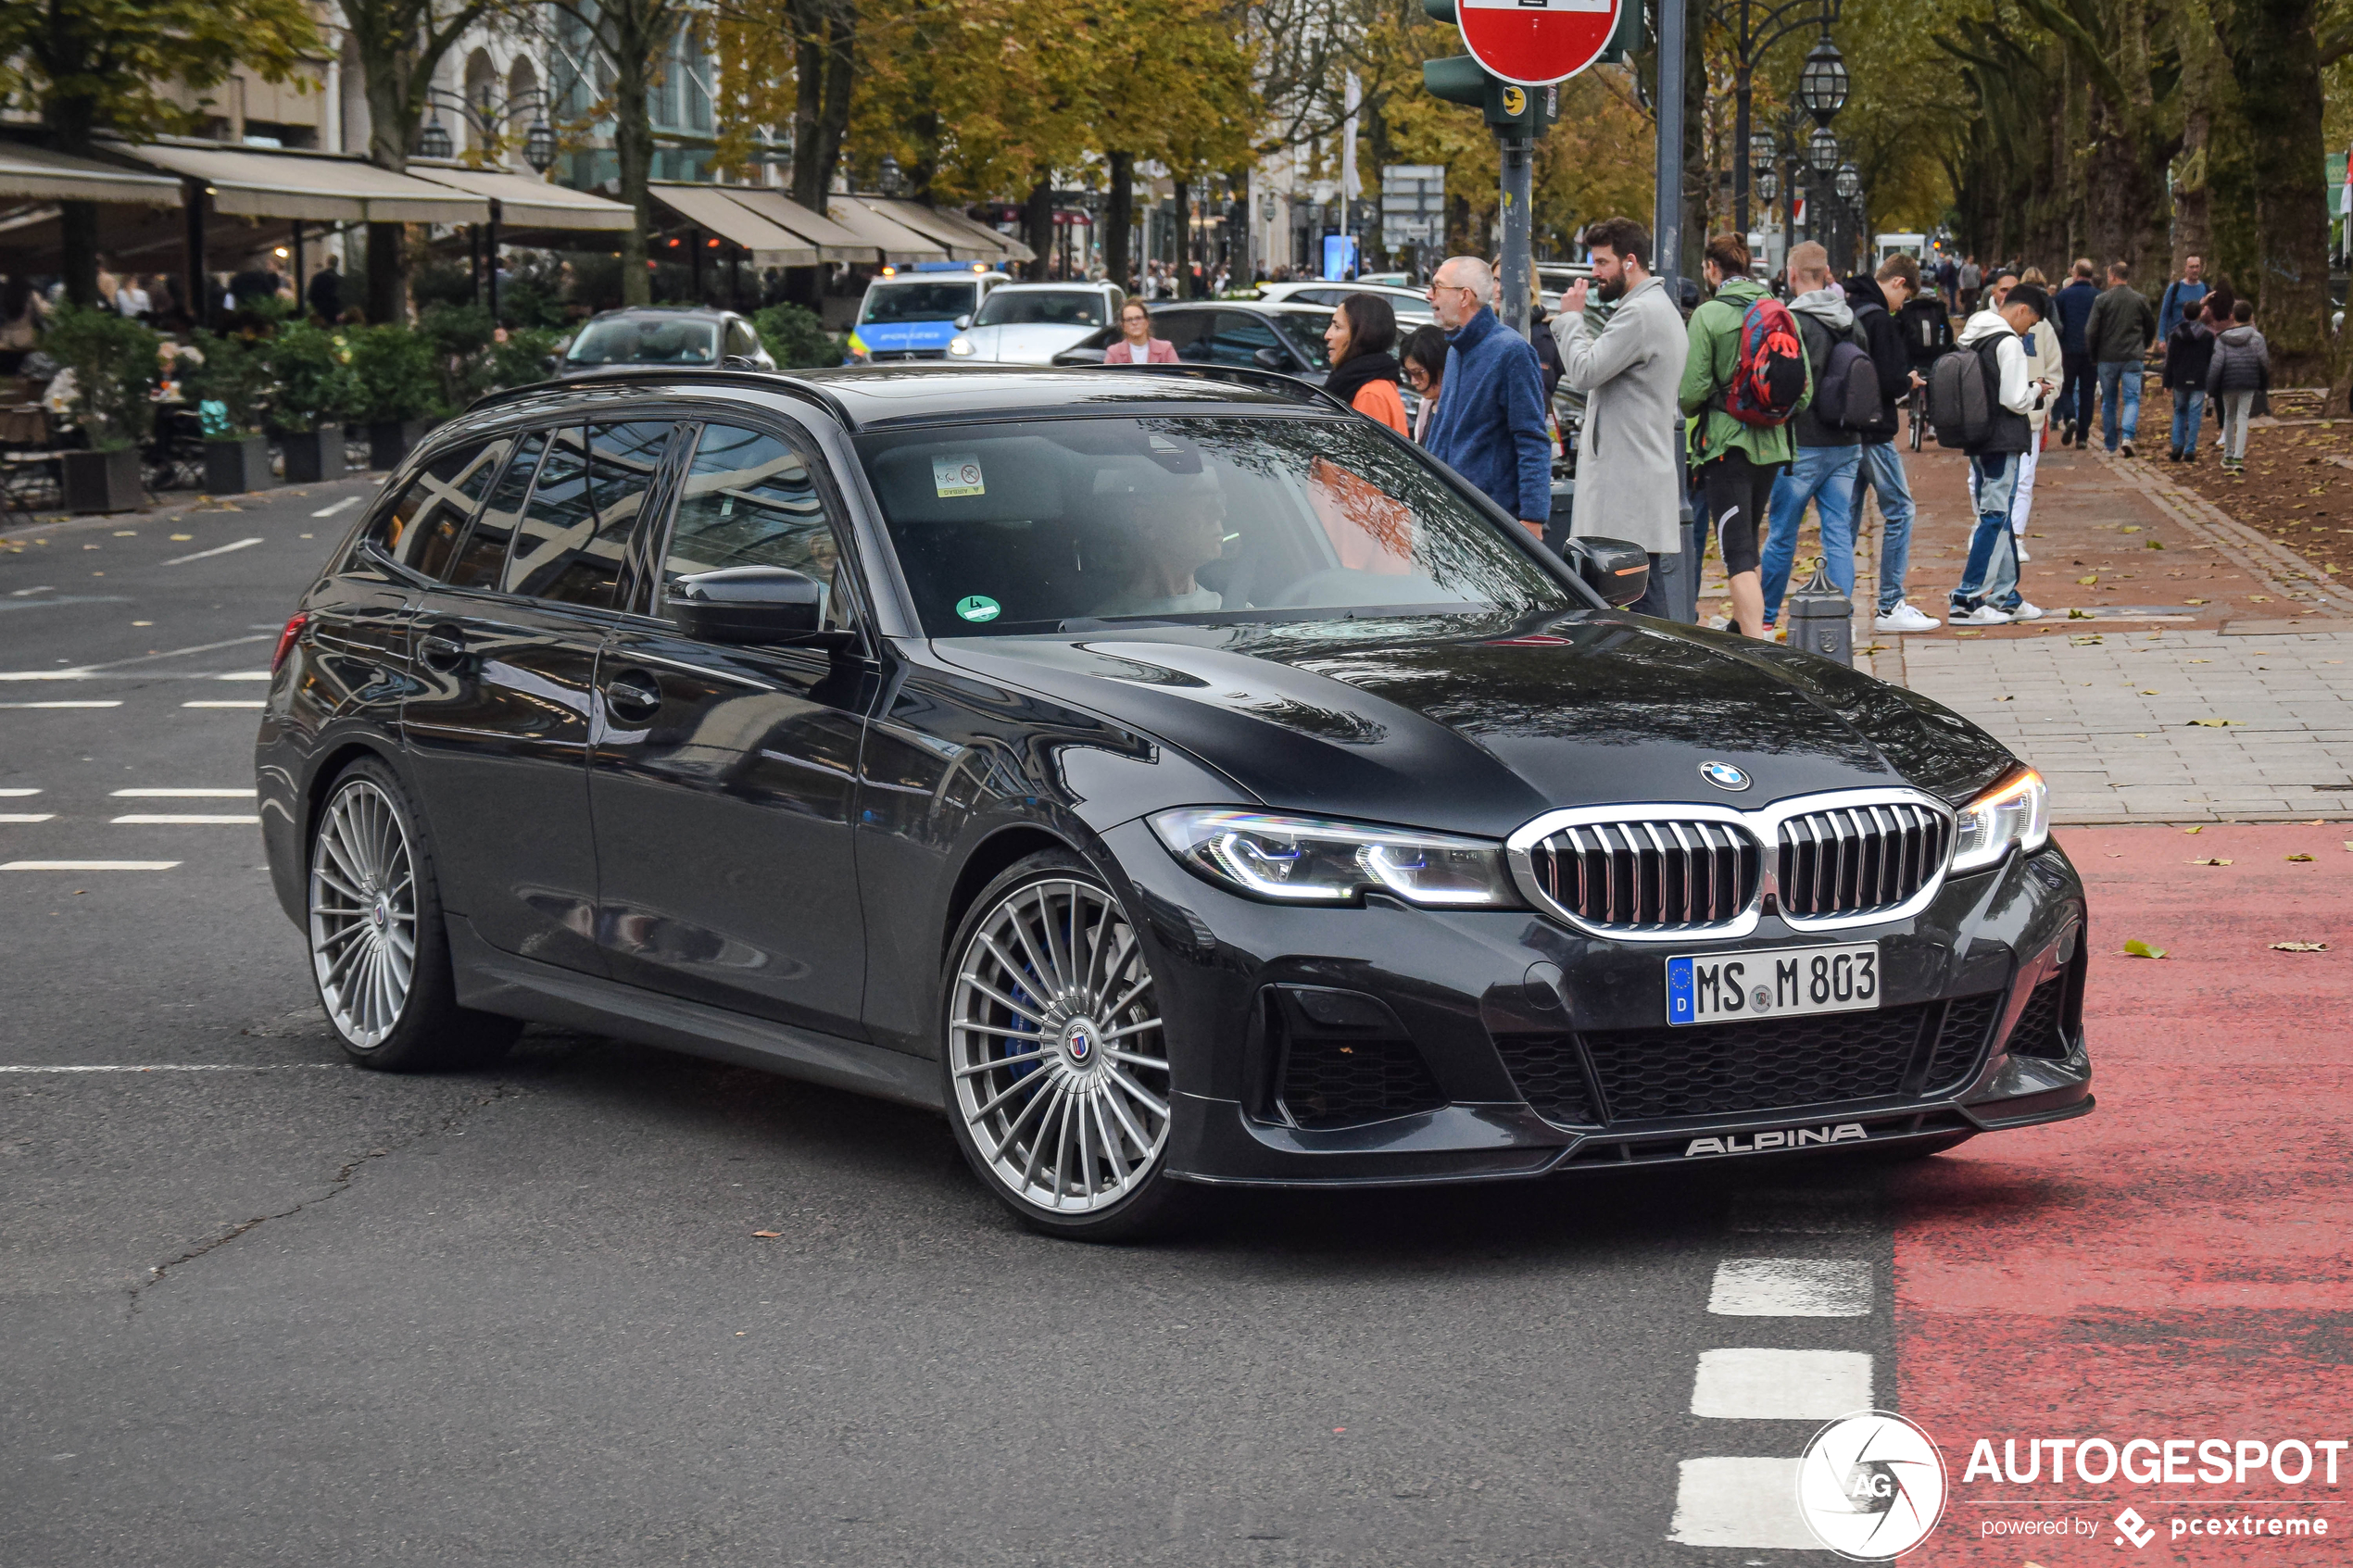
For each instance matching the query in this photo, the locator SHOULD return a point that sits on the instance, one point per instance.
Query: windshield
(1058, 308)
(1052, 525)
(916, 301)
(646, 340)
(1303, 330)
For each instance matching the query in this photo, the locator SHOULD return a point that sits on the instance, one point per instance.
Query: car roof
(712, 310)
(1065, 283)
(870, 397)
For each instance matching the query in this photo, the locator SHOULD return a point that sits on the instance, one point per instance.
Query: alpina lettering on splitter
(1792, 1137)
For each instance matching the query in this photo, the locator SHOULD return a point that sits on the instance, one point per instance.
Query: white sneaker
(2022, 556)
(1904, 618)
(2026, 610)
(1983, 615)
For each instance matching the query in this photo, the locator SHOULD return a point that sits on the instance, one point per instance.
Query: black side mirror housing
(754, 604)
(1272, 360)
(1618, 572)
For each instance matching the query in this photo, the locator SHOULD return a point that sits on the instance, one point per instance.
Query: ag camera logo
(1871, 1485)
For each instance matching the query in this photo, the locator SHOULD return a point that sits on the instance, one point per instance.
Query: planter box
(232, 468)
(102, 481)
(314, 456)
(391, 441)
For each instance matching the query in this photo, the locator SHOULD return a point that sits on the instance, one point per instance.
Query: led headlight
(960, 346)
(1306, 859)
(2017, 810)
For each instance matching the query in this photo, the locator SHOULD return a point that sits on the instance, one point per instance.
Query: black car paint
(907, 772)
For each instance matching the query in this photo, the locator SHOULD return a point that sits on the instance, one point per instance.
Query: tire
(1033, 1028)
(379, 951)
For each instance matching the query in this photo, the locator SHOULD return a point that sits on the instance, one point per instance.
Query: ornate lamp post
(433, 140)
(1758, 28)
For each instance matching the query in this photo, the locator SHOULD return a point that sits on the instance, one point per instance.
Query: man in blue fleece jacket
(1490, 425)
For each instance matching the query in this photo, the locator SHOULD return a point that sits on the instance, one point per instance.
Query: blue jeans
(2189, 412)
(2119, 384)
(1882, 470)
(1992, 572)
(1825, 476)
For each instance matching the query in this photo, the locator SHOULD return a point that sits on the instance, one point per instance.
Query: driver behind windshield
(1174, 526)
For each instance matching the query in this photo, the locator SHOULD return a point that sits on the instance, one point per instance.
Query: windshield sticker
(977, 607)
(957, 474)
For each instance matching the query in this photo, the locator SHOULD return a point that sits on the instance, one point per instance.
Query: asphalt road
(263, 1308)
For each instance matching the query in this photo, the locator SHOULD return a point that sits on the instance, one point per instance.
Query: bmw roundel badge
(1723, 775)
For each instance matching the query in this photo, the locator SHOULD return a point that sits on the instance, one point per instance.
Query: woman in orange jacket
(1364, 374)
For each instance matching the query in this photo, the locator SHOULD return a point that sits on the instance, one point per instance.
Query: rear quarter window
(422, 526)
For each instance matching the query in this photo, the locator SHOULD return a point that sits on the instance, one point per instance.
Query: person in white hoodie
(1988, 593)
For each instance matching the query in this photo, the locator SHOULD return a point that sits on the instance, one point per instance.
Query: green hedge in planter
(315, 384)
(235, 373)
(114, 365)
(398, 377)
(795, 338)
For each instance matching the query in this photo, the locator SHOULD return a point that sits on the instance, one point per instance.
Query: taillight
(286, 639)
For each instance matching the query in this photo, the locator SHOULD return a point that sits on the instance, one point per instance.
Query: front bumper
(1389, 1045)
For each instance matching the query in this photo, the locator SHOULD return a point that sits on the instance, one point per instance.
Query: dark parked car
(672, 335)
(1246, 334)
(1169, 776)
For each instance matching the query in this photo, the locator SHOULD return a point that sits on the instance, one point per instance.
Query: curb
(2267, 561)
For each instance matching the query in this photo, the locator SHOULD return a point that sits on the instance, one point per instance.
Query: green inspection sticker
(979, 607)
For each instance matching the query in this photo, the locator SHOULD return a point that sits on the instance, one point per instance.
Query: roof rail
(771, 380)
(1265, 381)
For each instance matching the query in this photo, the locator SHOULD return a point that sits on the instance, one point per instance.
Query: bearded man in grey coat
(1630, 372)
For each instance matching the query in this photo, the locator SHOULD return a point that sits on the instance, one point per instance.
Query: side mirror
(964, 321)
(1618, 572)
(753, 605)
(1272, 360)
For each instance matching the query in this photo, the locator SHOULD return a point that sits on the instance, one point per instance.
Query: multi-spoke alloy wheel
(363, 913)
(1057, 1063)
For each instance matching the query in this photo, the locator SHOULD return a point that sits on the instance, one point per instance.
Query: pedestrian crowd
(1790, 401)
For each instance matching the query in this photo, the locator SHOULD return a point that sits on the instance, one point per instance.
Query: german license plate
(1772, 983)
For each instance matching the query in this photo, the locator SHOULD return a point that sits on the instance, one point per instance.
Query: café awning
(31, 173)
(709, 208)
(312, 187)
(830, 240)
(1013, 249)
(527, 202)
(898, 244)
(966, 240)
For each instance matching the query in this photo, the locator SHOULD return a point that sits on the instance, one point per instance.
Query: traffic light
(1508, 107)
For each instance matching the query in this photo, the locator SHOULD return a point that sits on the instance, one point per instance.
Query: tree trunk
(1038, 223)
(825, 56)
(1119, 215)
(72, 122)
(387, 274)
(1184, 195)
(632, 145)
(2275, 61)
(390, 126)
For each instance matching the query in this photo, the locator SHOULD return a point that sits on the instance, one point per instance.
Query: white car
(1029, 323)
(1411, 306)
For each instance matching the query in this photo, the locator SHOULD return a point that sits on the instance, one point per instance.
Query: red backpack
(1769, 378)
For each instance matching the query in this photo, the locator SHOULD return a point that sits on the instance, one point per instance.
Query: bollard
(1820, 618)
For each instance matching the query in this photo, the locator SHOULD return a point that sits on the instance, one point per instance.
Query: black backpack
(1847, 397)
(1961, 391)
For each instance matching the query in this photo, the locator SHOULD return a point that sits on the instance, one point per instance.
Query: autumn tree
(92, 66)
(631, 39)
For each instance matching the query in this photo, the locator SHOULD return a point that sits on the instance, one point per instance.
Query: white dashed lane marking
(18, 794)
(183, 794)
(60, 704)
(1740, 1502)
(87, 865)
(28, 816)
(343, 505)
(216, 550)
(1781, 1385)
(242, 675)
(1792, 1287)
(179, 1067)
(180, 819)
(242, 702)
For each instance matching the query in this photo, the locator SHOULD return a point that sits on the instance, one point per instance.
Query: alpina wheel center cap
(1082, 1039)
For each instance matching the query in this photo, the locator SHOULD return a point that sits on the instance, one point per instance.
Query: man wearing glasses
(1490, 425)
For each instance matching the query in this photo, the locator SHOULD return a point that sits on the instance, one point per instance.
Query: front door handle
(441, 647)
(633, 695)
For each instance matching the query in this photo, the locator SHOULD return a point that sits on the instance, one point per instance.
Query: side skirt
(491, 980)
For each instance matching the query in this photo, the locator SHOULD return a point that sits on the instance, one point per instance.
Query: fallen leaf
(2129, 527)
(2156, 543)
(2136, 948)
(769, 1235)
(2147, 693)
(2295, 857)
(2200, 660)
(2195, 602)
(2193, 829)
(2087, 581)
(2209, 862)
(2081, 615)
(2259, 598)
(2299, 946)
(2006, 699)
(1968, 633)
(2214, 724)
(182, 538)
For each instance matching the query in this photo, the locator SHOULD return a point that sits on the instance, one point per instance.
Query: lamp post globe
(433, 140)
(1769, 187)
(1822, 150)
(1849, 182)
(1761, 151)
(539, 145)
(1821, 85)
(890, 176)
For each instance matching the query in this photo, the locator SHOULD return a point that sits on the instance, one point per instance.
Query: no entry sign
(1537, 42)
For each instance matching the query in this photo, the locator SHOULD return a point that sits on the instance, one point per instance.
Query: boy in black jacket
(2189, 350)
(1878, 304)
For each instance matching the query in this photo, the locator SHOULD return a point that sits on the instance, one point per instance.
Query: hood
(1984, 325)
(1742, 292)
(2239, 336)
(1025, 343)
(1826, 305)
(1477, 723)
(1863, 289)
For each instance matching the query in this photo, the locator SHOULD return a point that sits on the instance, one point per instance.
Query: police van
(913, 312)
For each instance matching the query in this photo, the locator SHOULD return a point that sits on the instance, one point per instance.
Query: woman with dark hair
(1425, 370)
(1364, 374)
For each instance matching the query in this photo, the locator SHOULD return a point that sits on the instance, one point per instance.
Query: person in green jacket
(1733, 465)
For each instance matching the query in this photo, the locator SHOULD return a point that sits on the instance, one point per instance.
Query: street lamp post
(1760, 26)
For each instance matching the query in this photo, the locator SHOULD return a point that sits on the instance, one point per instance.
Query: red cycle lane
(2175, 1266)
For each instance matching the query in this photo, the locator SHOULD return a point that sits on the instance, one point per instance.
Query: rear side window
(422, 527)
(485, 555)
(749, 500)
(574, 533)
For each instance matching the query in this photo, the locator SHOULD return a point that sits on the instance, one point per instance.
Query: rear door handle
(441, 647)
(633, 695)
